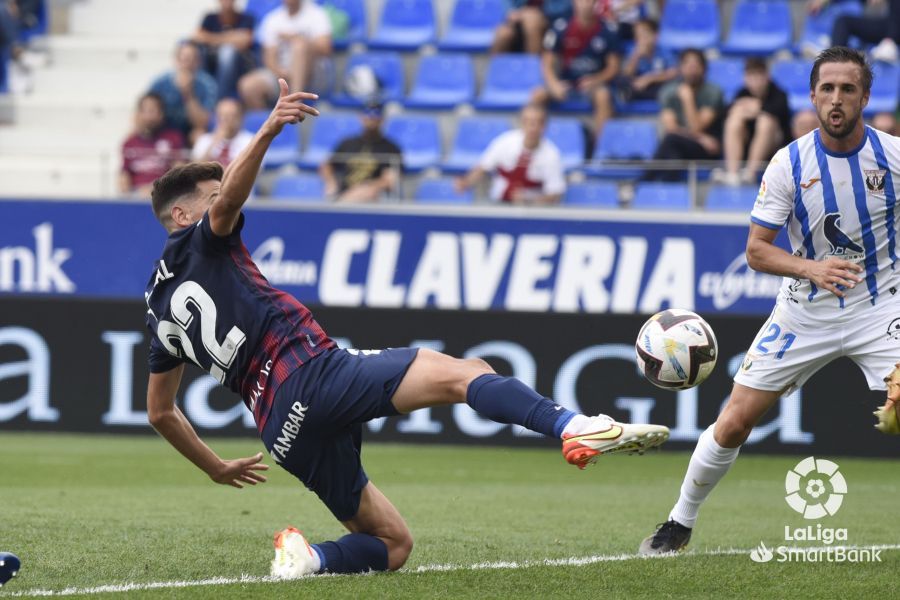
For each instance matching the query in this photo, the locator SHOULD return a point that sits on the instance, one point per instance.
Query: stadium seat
(568, 135)
(728, 74)
(817, 28)
(473, 134)
(285, 148)
(405, 25)
(731, 198)
(509, 80)
(388, 68)
(661, 196)
(592, 193)
(443, 81)
(4, 62)
(689, 24)
(441, 191)
(793, 77)
(885, 89)
(328, 129)
(759, 28)
(624, 139)
(299, 187)
(419, 139)
(356, 15)
(472, 24)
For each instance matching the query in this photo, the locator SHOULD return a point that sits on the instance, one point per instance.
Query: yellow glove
(888, 421)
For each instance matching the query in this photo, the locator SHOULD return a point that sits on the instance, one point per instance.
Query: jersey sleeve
(554, 180)
(210, 242)
(775, 199)
(159, 358)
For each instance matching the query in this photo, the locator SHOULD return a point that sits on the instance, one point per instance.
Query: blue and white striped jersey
(836, 204)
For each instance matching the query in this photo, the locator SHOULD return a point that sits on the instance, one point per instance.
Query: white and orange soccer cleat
(294, 557)
(602, 435)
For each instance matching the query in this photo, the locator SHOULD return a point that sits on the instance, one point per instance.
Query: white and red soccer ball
(676, 349)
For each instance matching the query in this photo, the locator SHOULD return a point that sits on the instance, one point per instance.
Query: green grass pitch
(88, 511)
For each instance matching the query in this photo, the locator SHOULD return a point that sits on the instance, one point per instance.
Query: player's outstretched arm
(763, 255)
(171, 423)
(239, 177)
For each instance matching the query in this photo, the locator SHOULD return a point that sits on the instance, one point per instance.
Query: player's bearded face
(839, 98)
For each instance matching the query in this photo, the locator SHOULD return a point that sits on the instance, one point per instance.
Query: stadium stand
(817, 27)
(793, 77)
(473, 135)
(304, 186)
(472, 24)
(592, 193)
(661, 196)
(285, 148)
(357, 26)
(405, 25)
(728, 74)
(418, 137)
(731, 198)
(508, 82)
(885, 89)
(759, 28)
(442, 81)
(624, 139)
(569, 136)
(326, 132)
(689, 24)
(388, 69)
(441, 191)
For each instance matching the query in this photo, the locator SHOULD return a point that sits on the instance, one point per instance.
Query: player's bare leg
(716, 451)
(379, 518)
(435, 379)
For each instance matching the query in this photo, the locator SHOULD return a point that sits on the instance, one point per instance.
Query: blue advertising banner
(564, 261)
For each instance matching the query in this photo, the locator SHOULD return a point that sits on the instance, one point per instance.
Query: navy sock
(353, 553)
(508, 400)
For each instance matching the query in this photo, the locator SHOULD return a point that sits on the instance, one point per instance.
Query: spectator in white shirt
(293, 37)
(527, 167)
(228, 139)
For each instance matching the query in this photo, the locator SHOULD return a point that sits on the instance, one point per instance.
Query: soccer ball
(676, 349)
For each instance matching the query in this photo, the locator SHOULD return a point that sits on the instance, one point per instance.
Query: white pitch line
(572, 561)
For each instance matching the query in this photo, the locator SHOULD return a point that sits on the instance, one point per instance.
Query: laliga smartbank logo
(815, 488)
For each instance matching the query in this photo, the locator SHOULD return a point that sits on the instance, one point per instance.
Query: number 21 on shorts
(774, 339)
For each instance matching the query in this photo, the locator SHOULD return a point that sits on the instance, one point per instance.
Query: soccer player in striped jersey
(208, 304)
(835, 190)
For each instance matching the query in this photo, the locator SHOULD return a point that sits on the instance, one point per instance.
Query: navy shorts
(314, 429)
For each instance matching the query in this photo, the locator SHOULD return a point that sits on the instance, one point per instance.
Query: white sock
(578, 424)
(709, 463)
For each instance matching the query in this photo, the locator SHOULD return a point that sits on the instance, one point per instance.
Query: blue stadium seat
(509, 80)
(759, 28)
(441, 191)
(568, 135)
(592, 193)
(443, 81)
(260, 8)
(793, 77)
(419, 139)
(473, 134)
(299, 187)
(661, 196)
(388, 68)
(817, 28)
(4, 62)
(728, 74)
(285, 148)
(689, 24)
(328, 130)
(885, 94)
(472, 25)
(624, 139)
(356, 15)
(731, 198)
(405, 25)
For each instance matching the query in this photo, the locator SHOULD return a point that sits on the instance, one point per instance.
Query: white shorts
(789, 349)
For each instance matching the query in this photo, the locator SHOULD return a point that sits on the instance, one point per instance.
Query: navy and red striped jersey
(208, 304)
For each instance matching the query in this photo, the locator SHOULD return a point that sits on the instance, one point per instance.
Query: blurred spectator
(227, 41)
(647, 67)
(151, 150)
(691, 112)
(886, 122)
(228, 139)
(758, 122)
(581, 56)
(15, 17)
(527, 166)
(803, 122)
(294, 37)
(623, 15)
(188, 93)
(366, 167)
(880, 25)
(526, 22)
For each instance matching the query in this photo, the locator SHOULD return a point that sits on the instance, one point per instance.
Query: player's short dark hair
(692, 51)
(842, 54)
(152, 96)
(652, 24)
(178, 182)
(755, 64)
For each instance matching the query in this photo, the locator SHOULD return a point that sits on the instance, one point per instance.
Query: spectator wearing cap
(188, 93)
(527, 167)
(757, 123)
(228, 139)
(151, 149)
(366, 167)
(227, 40)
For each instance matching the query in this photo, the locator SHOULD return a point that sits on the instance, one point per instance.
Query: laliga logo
(810, 499)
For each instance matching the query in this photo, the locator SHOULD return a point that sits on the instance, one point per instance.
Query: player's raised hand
(239, 471)
(289, 109)
(835, 275)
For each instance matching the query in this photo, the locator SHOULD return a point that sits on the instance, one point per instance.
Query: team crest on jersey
(842, 246)
(893, 330)
(761, 196)
(875, 181)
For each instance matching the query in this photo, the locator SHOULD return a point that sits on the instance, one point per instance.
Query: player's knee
(399, 549)
(731, 431)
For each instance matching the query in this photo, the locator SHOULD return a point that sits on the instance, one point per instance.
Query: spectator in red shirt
(151, 150)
